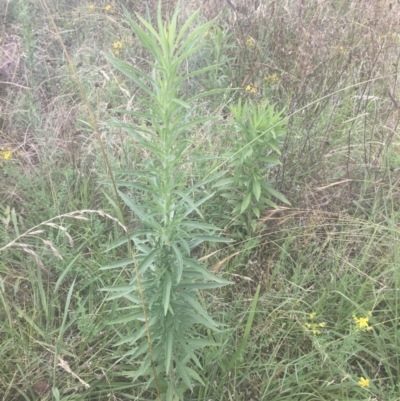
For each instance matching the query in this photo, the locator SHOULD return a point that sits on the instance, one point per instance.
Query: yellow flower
(272, 79)
(363, 382)
(362, 323)
(250, 42)
(90, 7)
(117, 46)
(107, 7)
(251, 89)
(5, 154)
(313, 326)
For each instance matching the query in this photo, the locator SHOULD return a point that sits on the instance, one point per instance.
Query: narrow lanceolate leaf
(183, 373)
(167, 292)
(211, 238)
(135, 208)
(118, 263)
(277, 195)
(148, 260)
(197, 307)
(226, 182)
(135, 235)
(127, 318)
(179, 263)
(200, 286)
(131, 72)
(245, 203)
(197, 267)
(256, 188)
(168, 350)
(199, 226)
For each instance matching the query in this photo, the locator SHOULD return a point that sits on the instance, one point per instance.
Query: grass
(323, 263)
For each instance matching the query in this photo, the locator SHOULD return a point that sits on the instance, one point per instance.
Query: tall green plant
(259, 133)
(161, 328)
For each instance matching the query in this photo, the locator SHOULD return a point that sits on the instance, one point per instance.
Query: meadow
(199, 200)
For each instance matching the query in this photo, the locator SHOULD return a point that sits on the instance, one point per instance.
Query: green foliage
(260, 131)
(167, 210)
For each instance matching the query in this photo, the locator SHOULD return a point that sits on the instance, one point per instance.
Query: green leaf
(277, 195)
(181, 103)
(197, 307)
(118, 263)
(246, 334)
(256, 188)
(199, 226)
(182, 371)
(245, 203)
(167, 291)
(179, 263)
(132, 236)
(131, 72)
(127, 318)
(148, 260)
(200, 286)
(135, 208)
(204, 273)
(225, 182)
(256, 211)
(194, 375)
(168, 350)
(211, 238)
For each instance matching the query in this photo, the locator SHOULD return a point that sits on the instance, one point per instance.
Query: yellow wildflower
(362, 323)
(107, 7)
(272, 79)
(251, 89)
(250, 42)
(363, 382)
(117, 46)
(90, 7)
(5, 154)
(313, 326)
